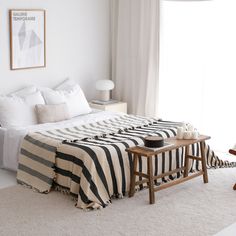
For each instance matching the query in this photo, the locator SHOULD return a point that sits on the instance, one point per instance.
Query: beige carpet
(192, 208)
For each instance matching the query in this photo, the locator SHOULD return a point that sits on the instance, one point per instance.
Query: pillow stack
(31, 106)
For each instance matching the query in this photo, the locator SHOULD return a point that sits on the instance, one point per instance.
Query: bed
(79, 150)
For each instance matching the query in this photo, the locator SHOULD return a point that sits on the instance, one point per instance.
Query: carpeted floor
(192, 208)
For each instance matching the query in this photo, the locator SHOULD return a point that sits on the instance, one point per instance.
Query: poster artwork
(27, 38)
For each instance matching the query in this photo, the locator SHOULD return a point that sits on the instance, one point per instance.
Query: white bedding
(10, 139)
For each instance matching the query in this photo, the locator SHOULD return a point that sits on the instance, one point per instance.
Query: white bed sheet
(12, 138)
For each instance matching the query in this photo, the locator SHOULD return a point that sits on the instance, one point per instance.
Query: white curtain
(135, 54)
(198, 67)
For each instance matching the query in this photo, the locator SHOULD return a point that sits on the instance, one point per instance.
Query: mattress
(11, 139)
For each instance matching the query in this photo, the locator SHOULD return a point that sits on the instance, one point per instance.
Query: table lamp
(104, 87)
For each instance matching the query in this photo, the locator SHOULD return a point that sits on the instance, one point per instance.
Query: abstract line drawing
(27, 34)
(34, 40)
(22, 35)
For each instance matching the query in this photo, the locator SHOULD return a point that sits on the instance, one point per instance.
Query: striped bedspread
(90, 160)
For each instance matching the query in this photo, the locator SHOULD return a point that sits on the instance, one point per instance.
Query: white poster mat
(27, 38)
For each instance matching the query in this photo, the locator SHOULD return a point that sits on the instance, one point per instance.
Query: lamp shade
(104, 85)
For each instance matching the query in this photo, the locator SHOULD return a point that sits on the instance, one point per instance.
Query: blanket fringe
(30, 187)
(65, 191)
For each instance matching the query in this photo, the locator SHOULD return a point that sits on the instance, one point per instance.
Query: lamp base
(104, 95)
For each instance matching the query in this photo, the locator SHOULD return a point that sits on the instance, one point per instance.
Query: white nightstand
(116, 107)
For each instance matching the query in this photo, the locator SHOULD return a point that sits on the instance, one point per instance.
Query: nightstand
(116, 107)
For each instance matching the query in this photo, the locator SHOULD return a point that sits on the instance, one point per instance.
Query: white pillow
(25, 91)
(67, 84)
(53, 97)
(52, 113)
(73, 97)
(19, 111)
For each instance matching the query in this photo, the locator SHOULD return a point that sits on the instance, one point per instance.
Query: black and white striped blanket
(91, 162)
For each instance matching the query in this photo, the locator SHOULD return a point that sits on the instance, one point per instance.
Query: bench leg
(204, 168)
(186, 161)
(133, 176)
(234, 188)
(150, 181)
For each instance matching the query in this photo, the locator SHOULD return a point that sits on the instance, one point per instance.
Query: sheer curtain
(198, 67)
(135, 54)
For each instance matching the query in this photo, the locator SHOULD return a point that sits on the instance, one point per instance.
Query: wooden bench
(149, 178)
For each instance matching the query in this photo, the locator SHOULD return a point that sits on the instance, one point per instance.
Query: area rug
(192, 208)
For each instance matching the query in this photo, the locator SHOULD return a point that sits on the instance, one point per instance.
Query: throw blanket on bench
(90, 160)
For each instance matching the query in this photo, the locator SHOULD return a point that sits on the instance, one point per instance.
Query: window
(198, 67)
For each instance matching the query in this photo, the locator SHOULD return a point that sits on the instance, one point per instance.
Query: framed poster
(27, 39)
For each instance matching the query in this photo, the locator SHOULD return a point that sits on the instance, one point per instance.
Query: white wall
(77, 40)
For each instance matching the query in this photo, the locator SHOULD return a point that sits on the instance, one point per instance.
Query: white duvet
(12, 138)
